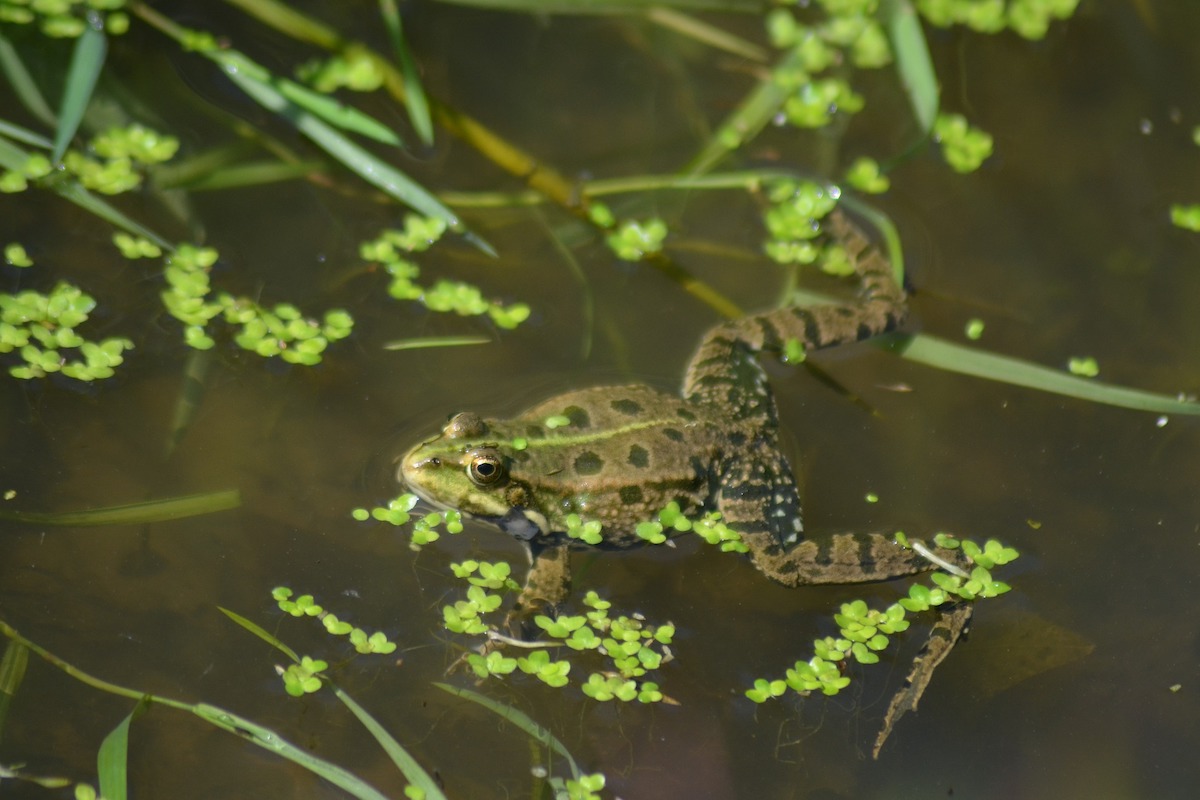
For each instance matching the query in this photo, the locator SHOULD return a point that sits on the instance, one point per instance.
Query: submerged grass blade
(252, 732)
(254, 173)
(753, 114)
(14, 158)
(89, 202)
(935, 352)
(414, 94)
(256, 81)
(271, 741)
(701, 31)
(112, 762)
(23, 135)
(336, 113)
(136, 513)
(23, 84)
(414, 773)
(370, 168)
(12, 673)
(436, 341)
(191, 394)
(912, 60)
(261, 633)
(518, 718)
(86, 62)
(612, 6)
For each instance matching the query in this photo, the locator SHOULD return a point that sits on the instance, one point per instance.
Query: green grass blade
(14, 158)
(436, 341)
(23, 135)
(12, 672)
(23, 84)
(753, 114)
(254, 173)
(135, 513)
(335, 112)
(612, 6)
(367, 166)
(414, 94)
(86, 63)
(81, 197)
(258, 631)
(705, 33)
(414, 773)
(252, 732)
(912, 60)
(290, 22)
(518, 718)
(112, 762)
(191, 394)
(271, 741)
(936, 352)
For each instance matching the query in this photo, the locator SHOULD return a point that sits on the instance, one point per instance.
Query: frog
(620, 454)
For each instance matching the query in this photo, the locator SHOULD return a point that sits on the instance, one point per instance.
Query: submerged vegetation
(130, 176)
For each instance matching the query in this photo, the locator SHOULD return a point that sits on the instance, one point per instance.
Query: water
(1061, 243)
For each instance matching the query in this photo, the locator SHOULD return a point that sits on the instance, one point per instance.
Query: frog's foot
(949, 628)
(546, 587)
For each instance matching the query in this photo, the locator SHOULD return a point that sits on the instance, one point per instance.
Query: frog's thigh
(547, 583)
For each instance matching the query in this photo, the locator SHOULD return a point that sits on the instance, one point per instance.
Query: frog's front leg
(546, 584)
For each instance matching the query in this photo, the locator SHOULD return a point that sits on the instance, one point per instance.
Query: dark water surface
(1061, 243)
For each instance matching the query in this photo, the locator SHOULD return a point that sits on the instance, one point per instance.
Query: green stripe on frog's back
(627, 452)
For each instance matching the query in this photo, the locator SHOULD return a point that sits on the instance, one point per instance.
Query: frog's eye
(486, 469)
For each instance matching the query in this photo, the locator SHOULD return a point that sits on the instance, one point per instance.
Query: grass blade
(753, 114)
(701, 31)
(336, 113)
(436, 341)
(935, 352)
(136, 513)
(256, 81)
(271, 741)
(81, 197)
(219, 717)
(414, 94)
(370, 168)
(612, 6)
(254, 173)
(414, 773)
(912, 60)
(14, 158)
(12, 672)
(261, 633)
(24, 135)
(86, 63)
(112, 762)
(518, 718)
(23, 84)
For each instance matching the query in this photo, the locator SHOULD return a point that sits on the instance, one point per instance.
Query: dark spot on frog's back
(630, 408)
(578, 416)
(685, 414)
(630, 495)
(639, 456)
(673, 434)
(588, 463)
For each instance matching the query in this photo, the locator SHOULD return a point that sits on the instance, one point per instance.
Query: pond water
(1083, 681)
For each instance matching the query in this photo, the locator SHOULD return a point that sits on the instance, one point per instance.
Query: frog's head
(466, 468)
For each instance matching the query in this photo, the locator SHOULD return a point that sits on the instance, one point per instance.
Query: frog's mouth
(523, 524)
